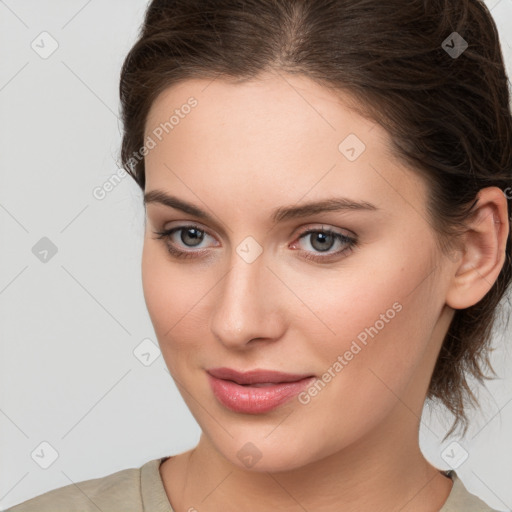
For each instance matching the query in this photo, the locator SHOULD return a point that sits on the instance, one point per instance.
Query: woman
(259, 131)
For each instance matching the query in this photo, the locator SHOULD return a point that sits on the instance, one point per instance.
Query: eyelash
(350, 242)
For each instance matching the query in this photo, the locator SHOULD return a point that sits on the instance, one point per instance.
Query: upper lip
(256, 376)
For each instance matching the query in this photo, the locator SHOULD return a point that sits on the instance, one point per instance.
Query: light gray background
(69, 326)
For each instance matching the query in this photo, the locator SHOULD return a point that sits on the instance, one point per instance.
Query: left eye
(327, 237)
(322, 241)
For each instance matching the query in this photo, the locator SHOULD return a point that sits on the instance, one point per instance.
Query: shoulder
(461, 499)
(117, 491)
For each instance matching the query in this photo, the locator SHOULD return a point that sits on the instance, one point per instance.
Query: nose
(247, 305)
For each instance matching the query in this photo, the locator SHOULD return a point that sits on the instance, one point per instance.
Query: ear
(483, 248)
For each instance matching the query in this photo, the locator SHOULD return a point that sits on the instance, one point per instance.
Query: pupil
(195, 237)
(323, 237)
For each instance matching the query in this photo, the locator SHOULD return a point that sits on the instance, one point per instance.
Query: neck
(383, 471)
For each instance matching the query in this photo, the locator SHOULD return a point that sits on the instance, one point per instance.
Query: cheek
(372, 361)
(173, 299)
(165, 289)
(378, 321)
(156, 284)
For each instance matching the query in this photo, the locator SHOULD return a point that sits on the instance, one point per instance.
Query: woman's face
(253, 291)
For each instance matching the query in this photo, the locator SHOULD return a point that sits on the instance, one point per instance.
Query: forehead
(277, 133)
(283, 103)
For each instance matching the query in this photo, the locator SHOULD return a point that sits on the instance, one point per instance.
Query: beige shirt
(142, 490)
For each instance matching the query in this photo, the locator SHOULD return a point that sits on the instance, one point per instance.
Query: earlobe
(484, 245)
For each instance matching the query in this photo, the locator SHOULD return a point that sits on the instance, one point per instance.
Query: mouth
(257, 377)
(257, 391)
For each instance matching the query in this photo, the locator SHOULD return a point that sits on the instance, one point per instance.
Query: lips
(256, 378)
(256, 391)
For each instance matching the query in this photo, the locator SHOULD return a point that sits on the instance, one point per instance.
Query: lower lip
(255, 400)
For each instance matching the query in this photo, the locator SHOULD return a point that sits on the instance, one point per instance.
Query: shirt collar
(154, 497)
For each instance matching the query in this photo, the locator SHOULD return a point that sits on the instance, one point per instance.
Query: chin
(263, 455)
(271, 463)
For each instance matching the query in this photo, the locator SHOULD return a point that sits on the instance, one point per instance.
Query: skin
(245, 150)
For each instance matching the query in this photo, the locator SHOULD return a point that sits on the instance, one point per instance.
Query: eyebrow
(278, 215)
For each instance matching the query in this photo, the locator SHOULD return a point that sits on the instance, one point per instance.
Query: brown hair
(448, 115)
